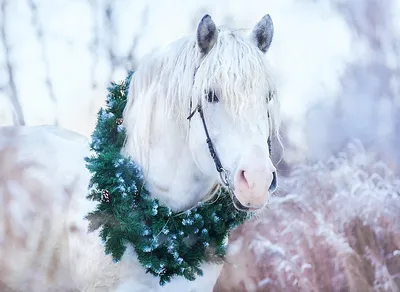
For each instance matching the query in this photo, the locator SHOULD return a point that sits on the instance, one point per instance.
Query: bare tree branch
(110, 26)
(39, 34)
(129, 61)
(95, 43)
(108, 21)
(18, 117)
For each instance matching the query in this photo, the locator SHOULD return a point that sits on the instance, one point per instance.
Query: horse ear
(206, 34)
(263, 33)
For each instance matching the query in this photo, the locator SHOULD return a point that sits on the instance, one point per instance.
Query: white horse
(218, 69)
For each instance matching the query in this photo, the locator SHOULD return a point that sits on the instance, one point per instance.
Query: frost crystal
(343, 206)
(187, 222)
(154, 210)
(120, 128)
(147, 249)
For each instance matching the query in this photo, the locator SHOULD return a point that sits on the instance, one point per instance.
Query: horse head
(202, 112)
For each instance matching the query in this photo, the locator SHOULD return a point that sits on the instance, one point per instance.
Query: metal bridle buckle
(224, 175)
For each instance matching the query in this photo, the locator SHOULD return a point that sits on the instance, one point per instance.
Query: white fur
(161, 90)
(174, 155)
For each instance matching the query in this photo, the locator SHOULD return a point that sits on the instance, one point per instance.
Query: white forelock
(165, 83)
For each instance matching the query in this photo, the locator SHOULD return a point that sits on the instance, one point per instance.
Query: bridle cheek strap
(211, 148)
(217, 162)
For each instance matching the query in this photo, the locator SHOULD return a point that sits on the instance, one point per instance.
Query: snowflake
(171, 247)
(154, 210)
(154, 242)
(120, 128)
(187, 222)
(147, 249)
(105, 115)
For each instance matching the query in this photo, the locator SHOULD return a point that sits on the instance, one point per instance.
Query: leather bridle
(214, 155)
(224, 173)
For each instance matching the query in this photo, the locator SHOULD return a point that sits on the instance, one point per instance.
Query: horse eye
(212, 97)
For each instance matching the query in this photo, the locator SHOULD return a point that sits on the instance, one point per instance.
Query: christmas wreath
(167, 244)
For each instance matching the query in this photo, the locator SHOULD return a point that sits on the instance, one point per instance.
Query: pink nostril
(246, 180)
(243, 179)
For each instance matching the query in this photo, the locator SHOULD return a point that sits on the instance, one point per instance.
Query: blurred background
(337, 64)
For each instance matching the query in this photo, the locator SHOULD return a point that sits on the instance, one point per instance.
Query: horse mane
(167, 81)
